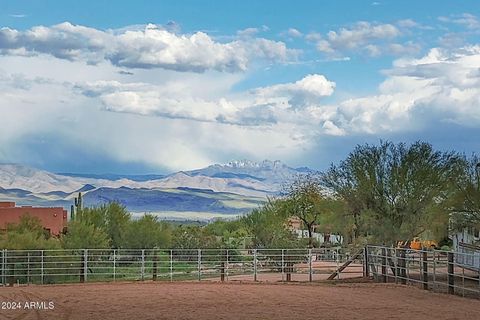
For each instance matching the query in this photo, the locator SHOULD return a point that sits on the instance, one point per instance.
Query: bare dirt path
(183, 300)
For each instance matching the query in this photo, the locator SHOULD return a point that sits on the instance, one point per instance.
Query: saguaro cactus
(78, 201)
(78, 206)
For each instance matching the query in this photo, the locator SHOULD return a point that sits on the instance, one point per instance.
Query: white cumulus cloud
(441, 87)
(262, 106)
(361, 34)
(302, 92)
(151, 47)
(367, 38)
(466, 19)
(294, 33)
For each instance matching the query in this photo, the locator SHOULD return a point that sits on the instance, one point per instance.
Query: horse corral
(224, 284)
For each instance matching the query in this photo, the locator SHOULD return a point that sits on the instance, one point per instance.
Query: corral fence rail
(451, 272)
(88, 265)
(436, 270)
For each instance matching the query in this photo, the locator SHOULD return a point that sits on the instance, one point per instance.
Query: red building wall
(7, 204)
(52, 219)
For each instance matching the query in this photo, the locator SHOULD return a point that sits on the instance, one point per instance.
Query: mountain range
(217, 190)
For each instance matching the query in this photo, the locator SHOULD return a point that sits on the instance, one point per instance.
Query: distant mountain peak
(85, 188)
(271, 174)
(19, 169)
(265, 164)
(212, 188)
(242, 164)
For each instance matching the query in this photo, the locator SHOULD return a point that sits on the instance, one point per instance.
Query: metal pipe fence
(435, 270)
(88, 265)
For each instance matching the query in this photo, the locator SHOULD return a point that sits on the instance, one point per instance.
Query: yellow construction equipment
(417, 244)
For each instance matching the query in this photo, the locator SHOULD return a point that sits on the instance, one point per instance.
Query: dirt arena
(183, 300)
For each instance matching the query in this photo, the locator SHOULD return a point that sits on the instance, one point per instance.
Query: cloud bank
(150, 47)
(367, 38)
(175, 101)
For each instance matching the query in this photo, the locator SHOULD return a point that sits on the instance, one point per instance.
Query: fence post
(337, 260)
(222, 266)
(434, 270)
(403, 280)
(451, 275)
(479, 282)
(227, 264)
(28, 268)
(366, 262)
(5, 254)
(41, 266)
(255, 265)
(3, 266)
(310, 274)
(289, 267)
(154, 270)
(425, 270)
(12, 277)
(199, 256)
(171, 265)
(6, 267)
(85, 264)
(283, 264)
(384, 265)
(114, 264)
(142, 268)
(397, 268)
(82, 266)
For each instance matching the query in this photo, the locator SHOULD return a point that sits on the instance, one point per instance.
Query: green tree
(28, 234)
(113, 218)
(232, 234)
(268, 226)
(194, 237)
(147, 232)
(306, 201)
(465, 204)
(394, 191)
(117, 222)
(83, 235)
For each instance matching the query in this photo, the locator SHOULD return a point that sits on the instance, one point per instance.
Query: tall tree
(466, 201)
(113, 218)
(117, 222)
(147, 232)
(306, 201)
(394, 191)
(268, 226)
(193, 237)
(83, 235)
(231, 234)
(27, 234)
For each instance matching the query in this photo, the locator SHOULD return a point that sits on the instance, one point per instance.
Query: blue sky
(158, 86)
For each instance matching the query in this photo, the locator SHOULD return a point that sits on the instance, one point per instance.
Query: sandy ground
(206, 300)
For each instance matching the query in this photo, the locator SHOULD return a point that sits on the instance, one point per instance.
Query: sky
(133, 87)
